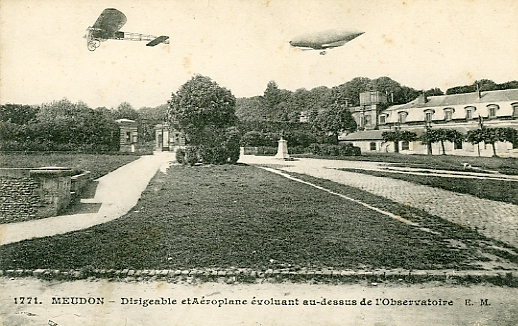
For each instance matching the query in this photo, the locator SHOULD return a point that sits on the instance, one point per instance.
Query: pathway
(118, 192)
(496, 220)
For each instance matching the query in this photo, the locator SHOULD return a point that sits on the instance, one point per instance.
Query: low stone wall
(78, 183)
(35, 193)
(18, 198)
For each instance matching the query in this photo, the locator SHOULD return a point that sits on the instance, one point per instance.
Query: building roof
(506, 95)
(363, 135)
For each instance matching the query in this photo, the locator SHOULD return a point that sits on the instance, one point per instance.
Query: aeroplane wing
(158, 40)
(110, 21)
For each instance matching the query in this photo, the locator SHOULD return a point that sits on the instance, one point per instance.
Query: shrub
(298, 150)
(191, 155)
(180, 156)
(314, 148)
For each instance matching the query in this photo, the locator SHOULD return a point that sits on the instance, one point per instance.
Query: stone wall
(33, 193)
(18, 199)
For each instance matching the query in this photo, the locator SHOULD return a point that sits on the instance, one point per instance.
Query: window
(515, 110)
(402, 117)
(448, 114)
(405, 145)
(492, 110)
(373, 146)
(128, 136)
(383, 118)
(457, 144)
(469, 112)
(428, 116)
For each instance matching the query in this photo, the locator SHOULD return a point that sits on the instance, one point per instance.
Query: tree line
(442, 135)
(66, 126)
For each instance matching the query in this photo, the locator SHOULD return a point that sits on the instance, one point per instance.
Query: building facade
(462, 112)
(167, 138)
(128, 130)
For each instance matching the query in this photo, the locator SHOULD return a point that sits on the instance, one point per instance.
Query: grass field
(98, 164)
(440, 162)
(505, 191)
(242, 216)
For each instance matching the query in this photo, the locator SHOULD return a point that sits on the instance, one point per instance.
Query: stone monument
(282, 150)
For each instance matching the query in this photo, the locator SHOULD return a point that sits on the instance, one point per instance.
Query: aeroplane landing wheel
(91, 46)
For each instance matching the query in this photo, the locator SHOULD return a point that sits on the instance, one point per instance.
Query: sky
(244, 44)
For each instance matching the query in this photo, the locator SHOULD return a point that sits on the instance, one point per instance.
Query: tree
(493, 135)
(397, 136)
(201, 107)
(272, 96)
(205, 112)
(126, 111)
(475, 137)
(439, 135)
(335, 120)
(433, 92)
(17, 113)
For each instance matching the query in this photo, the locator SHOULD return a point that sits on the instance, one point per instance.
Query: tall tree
(202, 109)
(272, 96)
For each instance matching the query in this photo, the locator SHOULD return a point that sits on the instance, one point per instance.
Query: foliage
(397, 136)
(201, 109)
(434, 135)
(180, 155)
(63, 125)
(335, 120)
(482, 85)
(191, 155)
(344, 149)
(17, 113)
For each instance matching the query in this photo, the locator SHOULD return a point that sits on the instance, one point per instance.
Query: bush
(180, 156)
(298, 150)
(314, 148)
(191, 155)
(266, 150)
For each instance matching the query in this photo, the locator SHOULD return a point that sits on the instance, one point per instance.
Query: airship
(324, 40)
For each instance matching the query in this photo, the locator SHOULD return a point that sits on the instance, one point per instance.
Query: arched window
(428, 115)
(401, 116)
(491, 110)
(469, 112)
(448, 114)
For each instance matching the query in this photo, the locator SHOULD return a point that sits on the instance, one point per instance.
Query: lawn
(505, 191)
(440, 162)
(243, 216)
(97, 164)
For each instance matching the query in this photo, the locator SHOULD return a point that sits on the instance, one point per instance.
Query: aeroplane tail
(161, 39)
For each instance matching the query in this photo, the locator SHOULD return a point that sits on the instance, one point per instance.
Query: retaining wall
(36, 193)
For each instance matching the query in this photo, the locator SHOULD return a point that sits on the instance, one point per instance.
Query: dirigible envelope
(325, 39)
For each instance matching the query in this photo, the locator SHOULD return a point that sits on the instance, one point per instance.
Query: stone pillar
(53, 189)
(282, 150)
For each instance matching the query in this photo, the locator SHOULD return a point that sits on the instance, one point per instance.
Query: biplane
(324, 40)
(107, 27)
